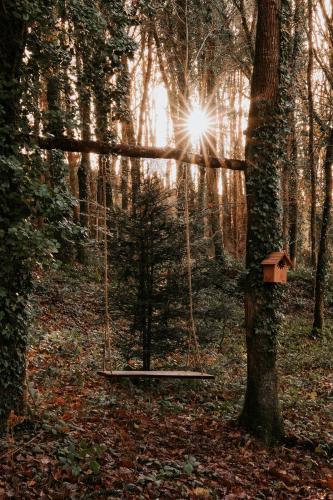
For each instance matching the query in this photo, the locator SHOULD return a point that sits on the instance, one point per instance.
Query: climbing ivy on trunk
(14, 234)
(266, 136)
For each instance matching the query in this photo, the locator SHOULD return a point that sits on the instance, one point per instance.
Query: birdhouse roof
(275, 258)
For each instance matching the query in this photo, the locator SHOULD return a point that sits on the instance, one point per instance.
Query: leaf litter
(86, 438)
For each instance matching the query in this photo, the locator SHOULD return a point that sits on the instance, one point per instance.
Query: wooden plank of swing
(155, 374)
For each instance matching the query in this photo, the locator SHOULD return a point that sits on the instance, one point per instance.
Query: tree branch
(132, 151)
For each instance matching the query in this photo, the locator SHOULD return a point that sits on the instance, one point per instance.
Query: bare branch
(132, 151)
(241, 9)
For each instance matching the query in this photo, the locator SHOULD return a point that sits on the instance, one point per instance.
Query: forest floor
(85, 438)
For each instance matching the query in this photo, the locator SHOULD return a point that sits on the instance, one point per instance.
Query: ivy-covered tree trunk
(318, 319)
(293, 196)
(124, 172)
(57, 166)
(261, 412)
(293, 177)
(292, 44)
(55, 127)
(103, 135)
(14, 271)
(285, 201)
(201, 201)
(71, 156)
(83, 172)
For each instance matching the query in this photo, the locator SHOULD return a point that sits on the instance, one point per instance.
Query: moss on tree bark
(261, 412)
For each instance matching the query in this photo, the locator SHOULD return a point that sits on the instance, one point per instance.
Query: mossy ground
(86, 438)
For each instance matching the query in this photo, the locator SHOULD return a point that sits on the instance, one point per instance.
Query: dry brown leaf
(329, 481)
(201, 492)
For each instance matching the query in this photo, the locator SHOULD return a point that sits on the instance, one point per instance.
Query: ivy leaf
(94, 466)
(188, 468)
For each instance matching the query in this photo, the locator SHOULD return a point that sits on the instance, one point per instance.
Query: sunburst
(198, 123)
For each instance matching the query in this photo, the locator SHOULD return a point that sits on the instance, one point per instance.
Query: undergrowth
(87, 438)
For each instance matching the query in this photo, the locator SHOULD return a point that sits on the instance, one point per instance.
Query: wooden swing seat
(155, 374)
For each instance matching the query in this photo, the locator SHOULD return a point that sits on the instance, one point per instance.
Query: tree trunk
(55, 127)
(261, 412)
(83, 172)
(212, 203)
(318, 319)
(72, 157)
(312, 165)
(293, 180)
(102, 134)
(146, 81)
(201, 201)
(57, 166)
(285, 202)
(15, 277)
(293, 196)
(209, 147)
(238, 179)
(226, 214)
(130, 134)
(124, 173)
(241, 208)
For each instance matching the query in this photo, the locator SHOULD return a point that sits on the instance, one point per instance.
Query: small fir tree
(146, 263)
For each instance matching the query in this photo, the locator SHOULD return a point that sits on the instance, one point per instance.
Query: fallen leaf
(329, 481)
(201, 492)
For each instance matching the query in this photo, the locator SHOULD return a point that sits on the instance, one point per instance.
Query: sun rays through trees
(167, 149)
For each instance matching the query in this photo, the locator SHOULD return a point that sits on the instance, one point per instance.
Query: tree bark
(201, 201)
(102, 134)
(285, 201)
(322, 265)
(135, 159)
(54, 126)
(83, 172)
(261, 412)
(124, 173)
(72, 157)
(293, 196)
(226, 213)
(323, 254)
(209, 147)
(312, 165)
(293, 180)
(146, 81)
(56, 159)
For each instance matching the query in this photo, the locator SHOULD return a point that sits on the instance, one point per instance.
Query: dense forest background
(152, 154)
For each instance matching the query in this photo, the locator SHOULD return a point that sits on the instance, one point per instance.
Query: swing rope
(193, 354)
(107, 331)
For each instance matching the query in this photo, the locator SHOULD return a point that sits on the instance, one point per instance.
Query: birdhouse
(275, 267)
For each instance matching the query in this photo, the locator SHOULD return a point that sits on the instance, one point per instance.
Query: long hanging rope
(192, 338)
(107, 341)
